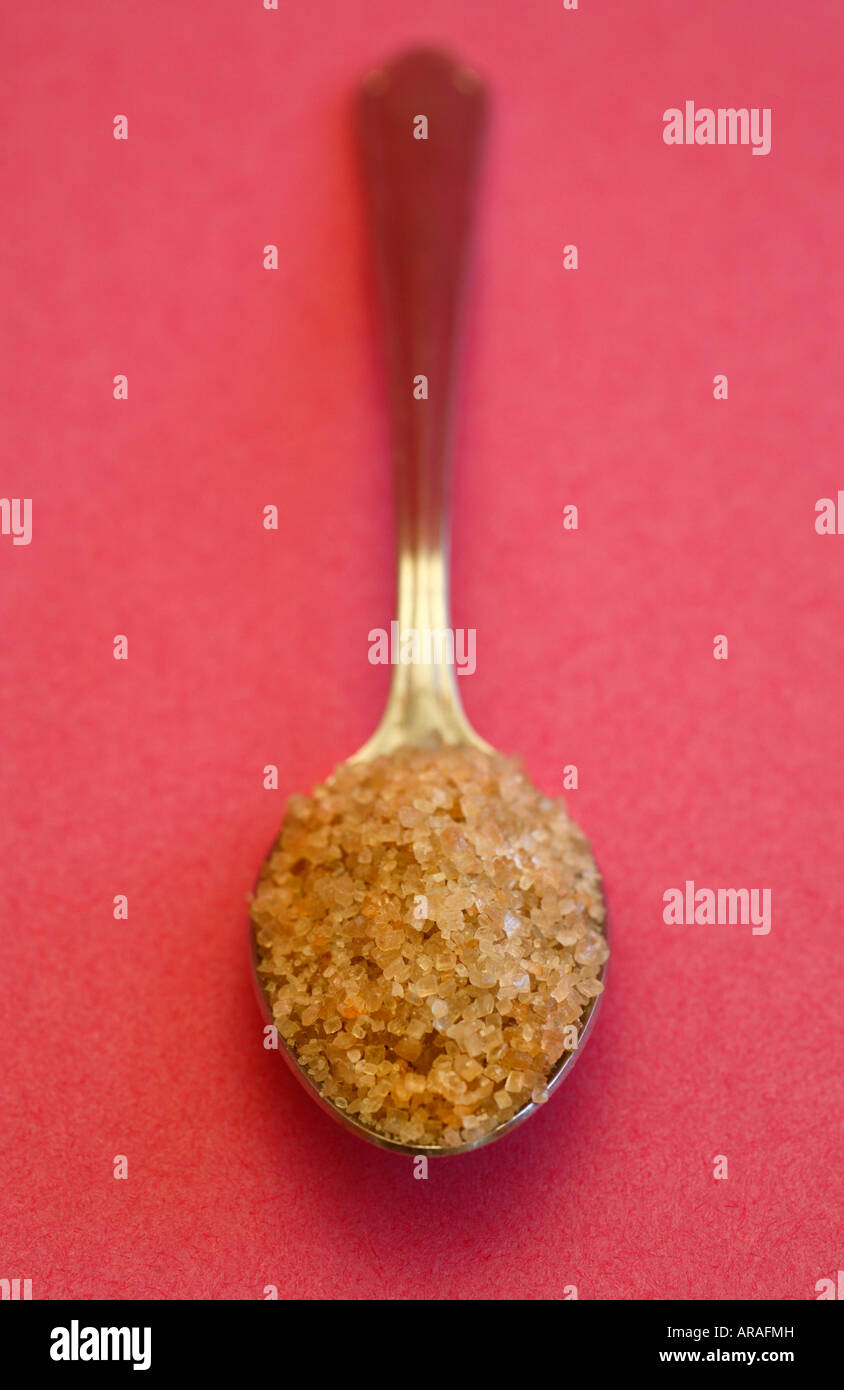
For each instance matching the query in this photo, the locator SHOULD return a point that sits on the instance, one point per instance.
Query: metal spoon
(421, 176)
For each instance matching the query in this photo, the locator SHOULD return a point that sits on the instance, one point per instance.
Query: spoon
(421, 122)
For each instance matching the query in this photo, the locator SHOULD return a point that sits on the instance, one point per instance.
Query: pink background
(248, 647)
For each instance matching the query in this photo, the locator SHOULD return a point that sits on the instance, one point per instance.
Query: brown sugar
(429, 932)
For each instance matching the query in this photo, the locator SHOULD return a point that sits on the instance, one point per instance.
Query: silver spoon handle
(421, 124)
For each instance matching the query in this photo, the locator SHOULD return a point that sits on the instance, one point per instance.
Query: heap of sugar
(429, 931)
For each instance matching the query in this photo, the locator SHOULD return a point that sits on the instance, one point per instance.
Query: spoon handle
(422, 121)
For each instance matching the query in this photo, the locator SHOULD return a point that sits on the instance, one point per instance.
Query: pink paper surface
(249, 647)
